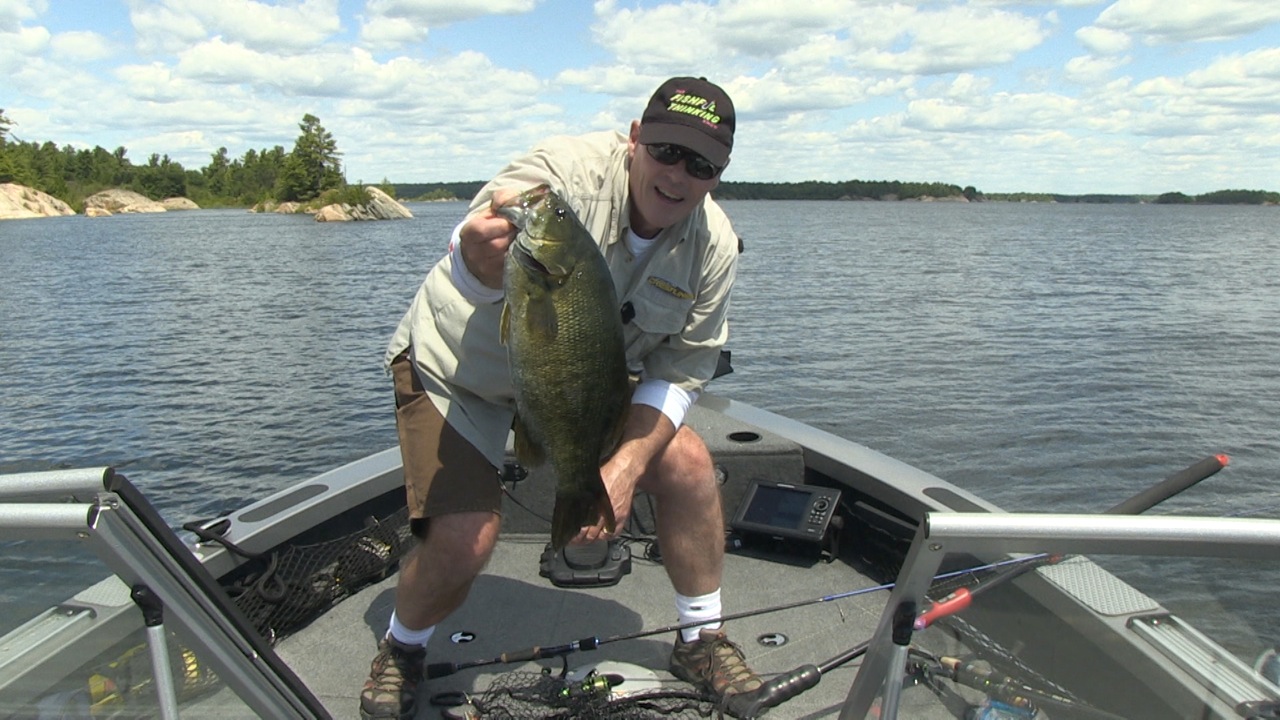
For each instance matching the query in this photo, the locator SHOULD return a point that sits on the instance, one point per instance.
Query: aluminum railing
(881, 673)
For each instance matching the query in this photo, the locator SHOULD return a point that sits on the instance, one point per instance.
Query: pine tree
(314, 165)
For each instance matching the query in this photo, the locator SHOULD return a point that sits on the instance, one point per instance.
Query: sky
(1075, 96)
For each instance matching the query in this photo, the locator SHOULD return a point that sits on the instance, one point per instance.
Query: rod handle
(949, 605)
(753, 704)
(1171, 486)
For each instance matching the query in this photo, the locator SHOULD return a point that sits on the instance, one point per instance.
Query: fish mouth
(516, 209)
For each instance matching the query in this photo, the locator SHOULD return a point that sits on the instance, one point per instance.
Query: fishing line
(537, 652)
(790, 684)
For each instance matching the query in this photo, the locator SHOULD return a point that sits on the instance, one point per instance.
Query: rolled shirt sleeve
(671, 400)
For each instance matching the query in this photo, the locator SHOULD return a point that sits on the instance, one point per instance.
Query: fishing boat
(857, 585)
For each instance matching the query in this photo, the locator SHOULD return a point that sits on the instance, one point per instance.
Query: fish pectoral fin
(606, 511)
(540, 315)
(504, 325)
(614, 437)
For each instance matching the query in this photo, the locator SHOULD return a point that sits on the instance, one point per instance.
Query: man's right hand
(485, 238)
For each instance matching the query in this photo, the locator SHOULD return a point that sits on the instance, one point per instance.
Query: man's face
(661, 195)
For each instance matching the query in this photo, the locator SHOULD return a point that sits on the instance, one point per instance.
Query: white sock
(693, 609)
(405, 636)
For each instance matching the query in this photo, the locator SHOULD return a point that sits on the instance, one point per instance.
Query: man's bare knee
(461, 541)
(684, 466)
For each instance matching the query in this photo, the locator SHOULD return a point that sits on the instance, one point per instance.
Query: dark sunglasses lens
(694, 164)
(699, 167)
(665, 154)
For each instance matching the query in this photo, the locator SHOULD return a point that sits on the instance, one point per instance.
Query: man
(672, 253)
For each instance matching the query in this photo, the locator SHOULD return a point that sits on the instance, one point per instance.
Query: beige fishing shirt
(679, 293)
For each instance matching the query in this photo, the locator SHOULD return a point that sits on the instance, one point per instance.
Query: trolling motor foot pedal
(598, 564)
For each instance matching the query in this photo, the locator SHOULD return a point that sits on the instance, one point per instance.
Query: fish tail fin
(578, 508)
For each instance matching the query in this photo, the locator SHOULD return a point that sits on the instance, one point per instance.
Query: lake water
(1047, 357)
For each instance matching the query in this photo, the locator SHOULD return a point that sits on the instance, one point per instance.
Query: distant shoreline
(886, 191)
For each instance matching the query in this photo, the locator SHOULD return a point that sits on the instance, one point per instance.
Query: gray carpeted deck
(511, 608)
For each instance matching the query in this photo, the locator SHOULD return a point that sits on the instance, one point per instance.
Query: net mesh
(282, 591)
(526, 695)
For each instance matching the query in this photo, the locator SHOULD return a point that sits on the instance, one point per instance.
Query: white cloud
(81, 46)
(163, 29)
(828, 89)
(1162, 21)
(442, 12)
(1002, 112)
(26, 40)
(620, 80)
(14, 12)
(776, 95)
(391, 32)
(664, 40)
(390, 24)
(1103, 41)
(1260, 67)
(1240, 93)
(1091, 70)
(168, 26)
(953, 39)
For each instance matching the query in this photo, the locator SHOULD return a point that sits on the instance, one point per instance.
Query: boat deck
(1068, 632)
(510, 608)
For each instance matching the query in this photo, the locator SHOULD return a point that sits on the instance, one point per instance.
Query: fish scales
(563, 332)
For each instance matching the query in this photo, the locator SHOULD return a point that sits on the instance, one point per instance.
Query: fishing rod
(788, 685)
(538, 652)
(444, 669)
(1008, 570)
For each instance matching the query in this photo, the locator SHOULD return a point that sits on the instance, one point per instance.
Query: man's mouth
(666, 196)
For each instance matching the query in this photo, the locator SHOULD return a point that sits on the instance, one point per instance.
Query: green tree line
(1221, 197)
(312, 168)
(846, 190)
(813, 190)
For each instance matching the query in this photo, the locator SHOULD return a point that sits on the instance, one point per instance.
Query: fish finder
(791, 512)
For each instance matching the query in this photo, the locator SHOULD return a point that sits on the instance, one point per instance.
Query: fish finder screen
(777, 507)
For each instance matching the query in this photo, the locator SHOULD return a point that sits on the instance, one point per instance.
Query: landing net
(526, 696)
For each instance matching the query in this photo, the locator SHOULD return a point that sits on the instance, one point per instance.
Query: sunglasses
(696, 165)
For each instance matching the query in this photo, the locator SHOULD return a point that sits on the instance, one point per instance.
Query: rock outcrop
(281, 208)
(380, 206)
(334, 213)
(19, 202)
(179, 203)
(117, 201)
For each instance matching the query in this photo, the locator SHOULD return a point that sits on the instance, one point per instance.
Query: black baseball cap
(693, 113)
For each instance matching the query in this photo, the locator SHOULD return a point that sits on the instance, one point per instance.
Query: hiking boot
(392, 688)
(713, 664)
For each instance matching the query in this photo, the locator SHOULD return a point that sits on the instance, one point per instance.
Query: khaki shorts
(443, 473)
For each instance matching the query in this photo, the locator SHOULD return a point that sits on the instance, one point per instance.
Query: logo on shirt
(669, 289)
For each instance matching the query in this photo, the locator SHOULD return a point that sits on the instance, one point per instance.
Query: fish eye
(560, 213)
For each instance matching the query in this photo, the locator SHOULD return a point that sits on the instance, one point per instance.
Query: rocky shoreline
(19, 202)
(380, 206)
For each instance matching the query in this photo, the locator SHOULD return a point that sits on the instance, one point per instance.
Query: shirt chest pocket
(657, 315)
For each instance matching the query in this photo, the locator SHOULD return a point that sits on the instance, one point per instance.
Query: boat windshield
(73, 644)
(155, 634)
